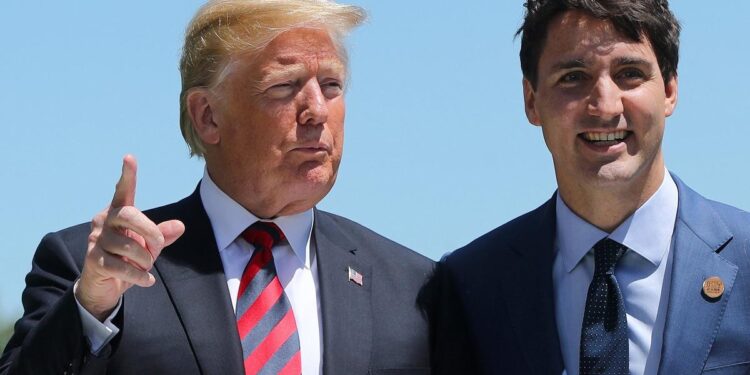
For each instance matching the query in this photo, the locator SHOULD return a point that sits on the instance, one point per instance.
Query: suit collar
(229, 219)
(647, 232)
(346, 313)
(193, 275)
(692, 319)
(699, 216)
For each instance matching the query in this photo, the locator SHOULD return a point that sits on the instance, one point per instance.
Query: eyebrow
(276, 71)
(579, 63)
(281, 72)
(331, 65)
(569, 64)
(631, 61)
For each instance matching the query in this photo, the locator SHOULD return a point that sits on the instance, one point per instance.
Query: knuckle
(133, 274)
(103, 263)
(159, 241)
(149, 263)
(127, 213)
(153, 255)
(98, 219)
(127, 247)
(104, 240)
(94, 236)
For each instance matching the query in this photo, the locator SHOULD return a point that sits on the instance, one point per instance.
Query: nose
(314, 109)
(605, 99)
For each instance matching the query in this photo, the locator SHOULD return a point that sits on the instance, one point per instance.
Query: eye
(331, 88)
(631, 74)
(572, 78)
(281, 91)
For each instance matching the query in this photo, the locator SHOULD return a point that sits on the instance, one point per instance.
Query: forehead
(304, 47)
(292, 52)
(578, 35)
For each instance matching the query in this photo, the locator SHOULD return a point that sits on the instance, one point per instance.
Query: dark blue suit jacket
(185, 324)
(496, 315)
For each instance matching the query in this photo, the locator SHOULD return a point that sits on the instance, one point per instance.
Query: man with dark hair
(625, 270)
(245, 275)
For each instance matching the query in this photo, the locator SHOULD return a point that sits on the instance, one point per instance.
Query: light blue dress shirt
(643, 274)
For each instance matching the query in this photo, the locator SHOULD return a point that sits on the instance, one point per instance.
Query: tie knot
(264, 235)
(606, 254)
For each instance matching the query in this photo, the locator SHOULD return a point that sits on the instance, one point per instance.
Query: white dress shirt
(296, 267)
(643, 274)
(296, 264)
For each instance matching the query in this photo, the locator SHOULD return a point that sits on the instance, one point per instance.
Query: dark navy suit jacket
(496, 314)
(185, 324)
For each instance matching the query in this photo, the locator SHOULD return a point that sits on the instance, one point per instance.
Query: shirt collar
(648, 231)
(229, 219)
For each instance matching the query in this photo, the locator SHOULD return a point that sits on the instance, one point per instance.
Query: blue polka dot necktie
(604, 335)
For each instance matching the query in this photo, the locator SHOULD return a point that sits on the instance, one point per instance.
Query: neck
(607, 206)
(260, 201)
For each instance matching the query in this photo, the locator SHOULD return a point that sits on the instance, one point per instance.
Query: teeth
(600, 137)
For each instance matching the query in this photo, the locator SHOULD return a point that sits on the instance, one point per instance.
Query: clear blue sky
(438, 150)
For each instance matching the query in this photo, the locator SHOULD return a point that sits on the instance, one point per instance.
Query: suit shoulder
(72, 233)
(500, 240)
(54, 245)
(75, 238)
(731, 213)
(735, 218)
(383, 248)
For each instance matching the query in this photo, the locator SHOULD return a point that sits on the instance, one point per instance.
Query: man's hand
(122, 248)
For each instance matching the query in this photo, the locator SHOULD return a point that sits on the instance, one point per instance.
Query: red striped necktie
(265, 321)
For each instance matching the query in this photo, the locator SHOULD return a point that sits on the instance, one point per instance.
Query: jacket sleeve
(452, 348)
(48, 338)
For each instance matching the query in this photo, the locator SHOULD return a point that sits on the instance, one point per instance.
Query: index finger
(125, 188)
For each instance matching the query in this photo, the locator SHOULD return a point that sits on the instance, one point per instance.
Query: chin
(314, 183)
(320, 175)
(614, 174)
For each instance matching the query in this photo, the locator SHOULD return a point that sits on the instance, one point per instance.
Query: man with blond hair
(244, 275)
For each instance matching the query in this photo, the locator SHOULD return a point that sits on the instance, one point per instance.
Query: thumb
(171, 230)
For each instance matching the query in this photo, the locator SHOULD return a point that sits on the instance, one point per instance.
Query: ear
(199, 102)
(670, 96)
(529, 100)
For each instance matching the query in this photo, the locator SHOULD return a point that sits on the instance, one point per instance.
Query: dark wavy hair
(635, 19)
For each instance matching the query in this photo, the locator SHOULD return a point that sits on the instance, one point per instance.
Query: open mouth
(605, 138)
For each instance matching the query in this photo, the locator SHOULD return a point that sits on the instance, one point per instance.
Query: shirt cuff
(97, 333)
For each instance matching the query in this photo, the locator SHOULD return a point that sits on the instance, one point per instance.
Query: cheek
(561, 110)
(275, 125)
(337, 111)
(648, 104)
(554, 141)
(335, 123)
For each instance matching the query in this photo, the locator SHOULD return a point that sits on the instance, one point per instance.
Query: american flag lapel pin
(355, 276)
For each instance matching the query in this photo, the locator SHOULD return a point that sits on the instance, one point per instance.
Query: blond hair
(222, 28)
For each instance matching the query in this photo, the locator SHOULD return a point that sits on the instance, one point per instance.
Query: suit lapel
(346, 312)
(192, 272)
(692, 320)
(528, 286)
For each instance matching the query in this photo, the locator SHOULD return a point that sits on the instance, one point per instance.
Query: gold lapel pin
(713, 287)
(355, 276)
